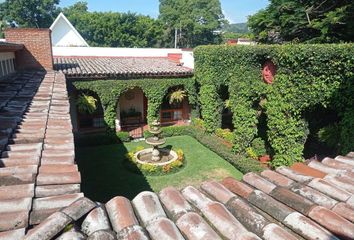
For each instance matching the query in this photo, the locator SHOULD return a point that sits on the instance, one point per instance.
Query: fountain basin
(153, 142)
(145, 157)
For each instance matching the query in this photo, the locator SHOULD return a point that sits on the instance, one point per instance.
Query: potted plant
(176, 96)
(86, 104)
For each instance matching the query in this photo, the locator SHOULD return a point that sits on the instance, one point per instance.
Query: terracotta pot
(264, 159)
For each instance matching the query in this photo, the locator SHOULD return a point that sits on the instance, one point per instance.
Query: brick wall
(37, 51)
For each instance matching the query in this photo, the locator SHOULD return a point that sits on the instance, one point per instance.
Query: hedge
(155, 90)
(307, 76)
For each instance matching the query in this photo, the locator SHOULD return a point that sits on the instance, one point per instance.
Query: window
(7, 63)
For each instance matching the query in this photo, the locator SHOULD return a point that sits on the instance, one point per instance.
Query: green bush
(258, 145)
(241, 162)
(124, 136)
(225, 134)
(307, 76)
(169, 131)
(329, 135)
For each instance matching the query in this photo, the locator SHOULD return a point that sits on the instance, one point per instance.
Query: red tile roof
(281, 204)
(118, 67)
(40, 184)
(9, 47)
(38, 174)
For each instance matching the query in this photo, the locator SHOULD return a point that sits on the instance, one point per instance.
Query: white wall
(113, 52)
(63, 35)
(188, 59)
(187, 56)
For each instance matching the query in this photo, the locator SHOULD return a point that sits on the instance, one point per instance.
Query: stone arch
(87, 122)
(175, 112)
(131, 108)
(226, 113)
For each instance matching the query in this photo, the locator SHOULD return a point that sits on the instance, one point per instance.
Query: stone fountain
(155, 155)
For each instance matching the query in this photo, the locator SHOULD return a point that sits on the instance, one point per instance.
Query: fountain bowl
(145, 157)
(153, 142)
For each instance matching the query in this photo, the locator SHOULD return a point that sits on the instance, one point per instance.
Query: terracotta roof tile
(306, 170)
(96, 220)
(336, 164)
(307, 228)
(118, 67)
(337, 225)
(174, 203)
(277, 178)
(148, 207)
(292, 203)
(164, 228)
(194, 227)
(17, 234)
(259, 182)
(121, 214)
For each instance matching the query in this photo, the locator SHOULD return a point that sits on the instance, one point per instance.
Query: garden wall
(307, 76)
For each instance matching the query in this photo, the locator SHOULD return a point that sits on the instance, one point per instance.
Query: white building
(65, 35)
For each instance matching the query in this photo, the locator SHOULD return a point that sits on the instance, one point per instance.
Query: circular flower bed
(151, 169)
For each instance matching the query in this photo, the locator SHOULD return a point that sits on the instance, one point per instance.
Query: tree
(29, 13)
(113, 29)
(2, 28)
(196, 20)
(310, 21)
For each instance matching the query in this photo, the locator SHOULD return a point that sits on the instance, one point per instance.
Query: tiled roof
(38, 175)
(301, 202)
(6, 46)
(40, 195)
(118, 67)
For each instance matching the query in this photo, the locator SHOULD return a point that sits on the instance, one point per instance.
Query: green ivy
(307, 75)
(155, 90)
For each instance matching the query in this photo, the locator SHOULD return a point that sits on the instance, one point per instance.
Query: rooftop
(302, 202)
(119, 67)
(9, 47)
(38, 174)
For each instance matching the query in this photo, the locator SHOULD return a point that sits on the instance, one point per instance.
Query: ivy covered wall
(155, 90)
(307, 76)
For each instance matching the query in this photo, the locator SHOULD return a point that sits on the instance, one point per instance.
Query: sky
(236, 11)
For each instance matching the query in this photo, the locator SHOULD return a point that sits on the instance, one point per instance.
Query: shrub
(329, 135)
(225, 134)
(169, 131)
(251, 153)
(124, 136)
(198, 123)
(241, 162)
(307, 76)
(258, 146)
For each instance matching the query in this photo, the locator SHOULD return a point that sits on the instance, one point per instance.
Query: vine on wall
(307, 75)
(155, 90)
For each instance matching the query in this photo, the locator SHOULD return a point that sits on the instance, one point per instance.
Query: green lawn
(104, 175)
